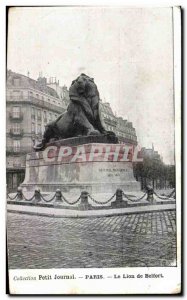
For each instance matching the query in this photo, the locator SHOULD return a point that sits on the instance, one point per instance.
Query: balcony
(10, 150)
(16, 98)
(46, 105)
(16, 117)
(16, 133)
(17, 164)
(127, 140)
(38, 102)
(110, 122)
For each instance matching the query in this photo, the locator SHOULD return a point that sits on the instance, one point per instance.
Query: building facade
(123, 129)
(30, 105)
(62, 91)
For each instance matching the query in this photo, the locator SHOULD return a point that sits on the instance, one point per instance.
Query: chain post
(19, 194)
(119, 202)
(84, 201)
(150, 193)
(119, 195)
(58, 196)
(37, 196)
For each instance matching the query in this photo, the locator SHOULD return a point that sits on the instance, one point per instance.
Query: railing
(38, 102)
(16, 98)
(127, 140)
(18, 117)
(21, 150)
(110, 122)
(16, 133)
(82, 200)
(45, 104)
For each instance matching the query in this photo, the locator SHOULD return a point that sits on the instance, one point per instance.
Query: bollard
(119, 202)
(58, 196)
(119, 195)
(84, 201)
(37, 196)
(19, 194)
(150, 193)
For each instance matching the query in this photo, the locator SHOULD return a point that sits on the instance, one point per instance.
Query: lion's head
(83, 83)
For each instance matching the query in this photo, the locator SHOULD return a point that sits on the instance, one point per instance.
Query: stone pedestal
(93, 167)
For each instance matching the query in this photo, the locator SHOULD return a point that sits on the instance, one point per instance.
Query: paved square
(143, 239)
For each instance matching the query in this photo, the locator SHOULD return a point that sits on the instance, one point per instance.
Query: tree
(152, 171)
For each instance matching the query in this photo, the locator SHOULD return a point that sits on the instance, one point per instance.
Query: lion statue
(82, 117)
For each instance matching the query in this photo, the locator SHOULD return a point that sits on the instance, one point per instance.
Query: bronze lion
(82, 117)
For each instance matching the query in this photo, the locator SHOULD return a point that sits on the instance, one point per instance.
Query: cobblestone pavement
(145, 239)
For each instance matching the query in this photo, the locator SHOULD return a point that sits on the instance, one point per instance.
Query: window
(16, 94)
(17, 162)
(50, 116)
(16, 81)
(37, 96)
(16, 146)
(33, 113)
(30, 95)
(45, 116)
(15, 91)
(16, 110)
(39, 113)
(39, 128)
(33, 127)
(16, 128)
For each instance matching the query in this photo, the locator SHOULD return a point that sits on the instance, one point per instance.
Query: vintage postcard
(93, 150)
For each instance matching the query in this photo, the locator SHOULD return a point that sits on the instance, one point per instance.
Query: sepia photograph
(93, 150)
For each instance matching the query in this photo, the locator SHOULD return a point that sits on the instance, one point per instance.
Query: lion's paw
(94, 132)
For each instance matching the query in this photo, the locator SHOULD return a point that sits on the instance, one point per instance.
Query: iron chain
(71, 203)
(30, 199)
(134, 200)
(13, 197)
(98, 202)
(48, 200)
(164, 197)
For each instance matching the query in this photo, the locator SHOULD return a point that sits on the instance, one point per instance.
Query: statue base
(108, 138)
(94, 167)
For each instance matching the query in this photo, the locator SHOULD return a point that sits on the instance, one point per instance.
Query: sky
(128, 51)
